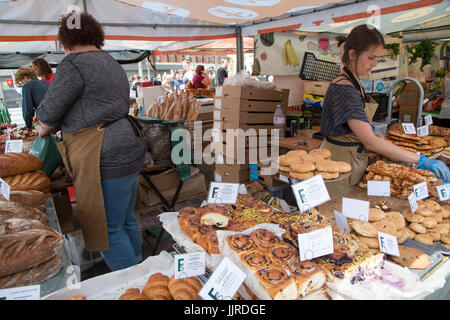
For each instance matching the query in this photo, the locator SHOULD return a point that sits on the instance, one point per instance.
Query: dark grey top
(91, 88)
(342, 103)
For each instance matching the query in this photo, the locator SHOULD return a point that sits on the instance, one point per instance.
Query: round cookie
(371, 243)
(301, 166)
(411, 258)
(437, 216)
(424, 238)
(284, 162)
(328, 175)
(412, 217)
(365, 229)
(285, 169)
(344, 167)
(432, 205)
(410, 232)
(441, 229)
(445, 212)
(429, 223)
(296, 153)
(424, 212)
(327, 166)
(324, 153)
(301, 176)
(396, 218)
(445, 238)
(402, 236)
(312, 157)
(376, 214)
(434, 235)
(446, 222)
(386, 226)
(418, 228)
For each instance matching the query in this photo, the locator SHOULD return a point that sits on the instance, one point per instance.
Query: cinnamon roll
(308, 276)
(264, 238)
(256, 260)
(278, 283)
(240, 243)
(283, 252)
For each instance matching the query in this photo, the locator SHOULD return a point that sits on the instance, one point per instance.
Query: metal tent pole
(239, 50)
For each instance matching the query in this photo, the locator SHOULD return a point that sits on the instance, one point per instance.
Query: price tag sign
(378, 188)
(413, 202)
(21, 293)
(224, 282)
(315, 243)
(161, 99)
(422, 131)
(341, 221)
(310, 193)
(388, 244)
(356, 209)
(189, 265)
(444, 192)
(218, 177)
(223, 193)
(421, 191)
(13, 146)
(5, 189)
(284, 178)
(428, 120)
(409, 128)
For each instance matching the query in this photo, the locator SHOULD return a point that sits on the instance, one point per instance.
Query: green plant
(423, 50)
(395, 47)
(443, 47)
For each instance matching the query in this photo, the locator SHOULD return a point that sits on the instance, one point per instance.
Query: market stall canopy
(167, 25)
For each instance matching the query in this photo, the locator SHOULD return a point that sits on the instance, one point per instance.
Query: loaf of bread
(184, 289)
(16, 163)
(30, 198)
(16, 225)
(157, 287)
(132, 294)
(34, 275)
(35, 180)
(26, 249)
(10, 210)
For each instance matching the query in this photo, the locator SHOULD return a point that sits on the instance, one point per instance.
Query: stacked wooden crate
(244, 107)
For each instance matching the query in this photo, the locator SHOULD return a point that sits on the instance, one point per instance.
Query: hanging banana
(285, 58)
(292, 55)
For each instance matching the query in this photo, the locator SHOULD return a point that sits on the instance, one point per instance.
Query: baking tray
(435, 254)
(294, 181)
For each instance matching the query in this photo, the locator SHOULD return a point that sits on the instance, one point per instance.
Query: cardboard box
(269, 181)
(249, 93)
(316, 87)
(408, 110)
(258, 128)
(237, 118)
(409, 96)
(228, 174)
(237, 104)
(149, 94)
(190, 188)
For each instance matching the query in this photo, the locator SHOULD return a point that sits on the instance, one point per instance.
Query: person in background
(201, 79)
(137, 80)
(102, 146)
(145, 79)
(178, 83)
(42, 69)
(222, 72)
(445, 108)
(346, 116)
(188, 73)
(33, 92)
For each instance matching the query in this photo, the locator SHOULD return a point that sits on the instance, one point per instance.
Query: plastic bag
(47, 150)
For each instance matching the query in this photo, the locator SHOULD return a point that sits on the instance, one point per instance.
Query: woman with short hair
(42, 69)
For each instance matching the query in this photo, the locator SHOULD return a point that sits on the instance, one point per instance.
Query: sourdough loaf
(31, 198)
(16, 163)
(35, 180)
(10, 210)
(16, 225)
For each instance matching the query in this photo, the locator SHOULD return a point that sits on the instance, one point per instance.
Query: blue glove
(439, 168)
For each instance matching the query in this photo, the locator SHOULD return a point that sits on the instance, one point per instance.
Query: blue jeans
(125, 243)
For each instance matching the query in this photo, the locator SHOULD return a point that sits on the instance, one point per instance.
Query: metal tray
(434, 253)
(294, 181)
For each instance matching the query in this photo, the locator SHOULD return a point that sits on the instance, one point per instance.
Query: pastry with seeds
(412, 258)
(364, 228)
(418, 228)
(376, 214)
(424, 238)
(371, 243)
(429, 223)
(396, 218)
(445, 222)
(386, 226)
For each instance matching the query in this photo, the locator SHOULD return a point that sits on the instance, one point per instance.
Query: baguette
(16, 163)
(35, 180)
(26, 249)
(30, 198)
(14, 225)
(32, 276)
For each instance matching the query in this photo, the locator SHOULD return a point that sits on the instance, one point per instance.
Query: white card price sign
(13, 146)
(5, 189)
(21, 293)
(428, 120)
(388, 244)
(355, 209)
(341, 221)
(315, 244)
(423, 131)
(444, 192)
(223, 193)
(413, 202)
(409, 128)
(189, 265)
(310, 193)
(421, 191)
(224, 282)
(378, 188)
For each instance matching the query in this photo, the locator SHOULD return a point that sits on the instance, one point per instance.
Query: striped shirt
(33, 92)
(342, 103)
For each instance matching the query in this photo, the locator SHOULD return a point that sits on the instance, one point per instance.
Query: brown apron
(349, 148)
(80, 152)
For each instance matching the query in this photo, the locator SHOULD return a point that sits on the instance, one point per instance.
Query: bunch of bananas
(289, 55)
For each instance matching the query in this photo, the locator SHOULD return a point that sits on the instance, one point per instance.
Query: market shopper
(188, 73)
(347, 113)
(102, 147)
(201, 79)
(222, 72)
(42, 69)
(33, 92)
(445, 94)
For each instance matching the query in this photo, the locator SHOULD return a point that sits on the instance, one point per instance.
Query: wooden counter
(311, 143)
